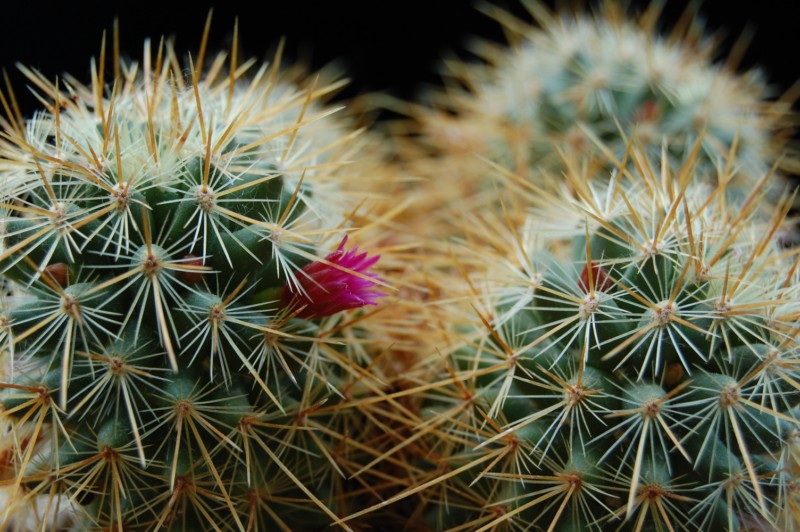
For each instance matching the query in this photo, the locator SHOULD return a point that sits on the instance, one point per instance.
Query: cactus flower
(339, 282)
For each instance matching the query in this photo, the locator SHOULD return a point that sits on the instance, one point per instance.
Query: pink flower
(326, 289)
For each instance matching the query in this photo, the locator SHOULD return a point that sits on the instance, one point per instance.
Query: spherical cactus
(174, 343)
(630, 364)
(579, 87)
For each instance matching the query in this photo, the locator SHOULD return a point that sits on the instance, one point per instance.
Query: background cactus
(578, 86)
(173, 336)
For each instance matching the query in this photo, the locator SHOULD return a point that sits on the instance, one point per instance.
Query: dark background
(381, 44)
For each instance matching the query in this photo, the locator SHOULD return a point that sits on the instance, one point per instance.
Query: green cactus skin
(163, 236)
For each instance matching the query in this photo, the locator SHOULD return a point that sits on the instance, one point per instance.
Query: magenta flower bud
(325, 289)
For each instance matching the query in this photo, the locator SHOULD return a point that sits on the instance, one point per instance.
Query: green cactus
(631, 366)
(175, 350)
(617, 330)
(575, 88)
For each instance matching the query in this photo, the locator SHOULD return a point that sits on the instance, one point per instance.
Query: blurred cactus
(578, 87)
(173, 325)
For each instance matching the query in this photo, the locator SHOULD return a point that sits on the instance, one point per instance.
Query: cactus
(575, 88)
(629, 364)
(603, 77)
(187, 333)
(175, 349)
(613, 353)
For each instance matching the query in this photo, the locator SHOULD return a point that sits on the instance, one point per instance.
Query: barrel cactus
(177, 272)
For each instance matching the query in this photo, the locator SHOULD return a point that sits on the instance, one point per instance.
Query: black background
(382, 45)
